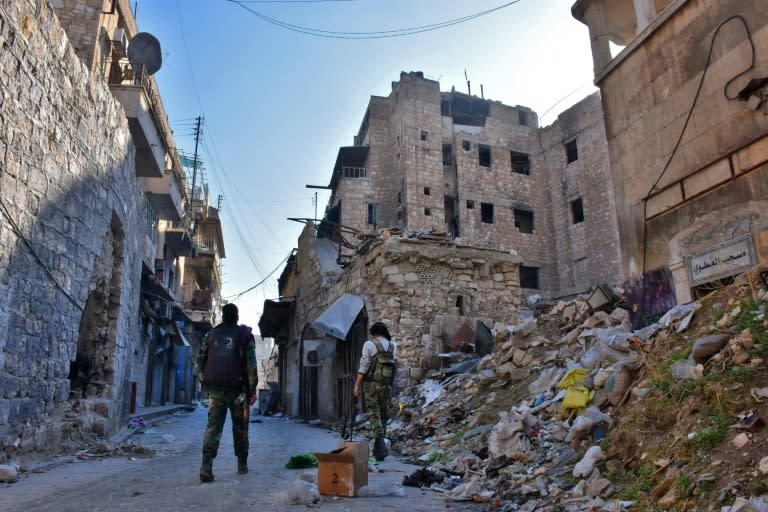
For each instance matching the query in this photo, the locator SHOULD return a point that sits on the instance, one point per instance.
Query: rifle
(245, 395)
(351, 421)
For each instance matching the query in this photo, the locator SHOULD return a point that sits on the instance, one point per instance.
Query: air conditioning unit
(316, 351)
(120, 41)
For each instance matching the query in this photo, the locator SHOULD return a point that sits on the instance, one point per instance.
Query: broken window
(529, 277)
(460, 304)
(571, 151)
(466, 145)
(470, 204)
(373, 213)
(355, 172)
(521, 163)
(484, 155)
(426, 191)
(447, 154)
(577, 210)
(427, 211)
(486, 213)
(522, 117)
(424, 135)
(524, 221)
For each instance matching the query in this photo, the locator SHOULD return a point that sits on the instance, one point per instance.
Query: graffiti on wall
(649, 296)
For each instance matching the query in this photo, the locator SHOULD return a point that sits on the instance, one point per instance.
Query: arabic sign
(721, 260)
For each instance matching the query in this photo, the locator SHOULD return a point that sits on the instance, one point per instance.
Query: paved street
(168, 481)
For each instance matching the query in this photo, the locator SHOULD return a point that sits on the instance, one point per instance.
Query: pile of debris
(556, 417)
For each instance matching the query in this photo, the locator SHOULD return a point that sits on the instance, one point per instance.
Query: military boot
(242, 464)
(380, 450)
(206, 469)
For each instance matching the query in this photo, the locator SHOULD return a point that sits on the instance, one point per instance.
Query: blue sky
(278, 104)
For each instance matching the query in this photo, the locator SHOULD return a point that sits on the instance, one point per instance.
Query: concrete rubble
(521, 428)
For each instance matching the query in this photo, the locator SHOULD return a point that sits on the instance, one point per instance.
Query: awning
(275, 318)
(339, 317)
(154, 289)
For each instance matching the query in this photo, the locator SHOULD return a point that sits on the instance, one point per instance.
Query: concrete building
(446, 213)
(684, 98)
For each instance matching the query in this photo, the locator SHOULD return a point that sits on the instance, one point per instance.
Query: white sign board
(721, 260)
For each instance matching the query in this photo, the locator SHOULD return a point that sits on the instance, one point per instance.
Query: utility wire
(238, 295)
(369, 35)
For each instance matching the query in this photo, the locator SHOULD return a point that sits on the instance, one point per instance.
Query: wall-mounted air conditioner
(120, 41)
(316, 351)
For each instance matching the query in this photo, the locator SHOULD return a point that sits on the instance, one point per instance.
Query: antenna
(144, 53)
(469, 89)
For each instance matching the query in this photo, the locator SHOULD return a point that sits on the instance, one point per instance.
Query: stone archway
(92, 373)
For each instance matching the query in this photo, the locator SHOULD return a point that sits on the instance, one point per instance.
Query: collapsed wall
(71, 241)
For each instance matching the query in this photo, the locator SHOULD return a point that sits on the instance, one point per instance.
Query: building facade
(97, 231)
(684, 99)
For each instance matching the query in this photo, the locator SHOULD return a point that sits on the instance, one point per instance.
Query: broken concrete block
(585, 466)
(8, 473)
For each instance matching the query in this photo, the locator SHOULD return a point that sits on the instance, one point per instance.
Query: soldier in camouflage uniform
(226, 366)
(377, 395)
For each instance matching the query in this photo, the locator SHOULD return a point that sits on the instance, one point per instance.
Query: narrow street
(168, 481)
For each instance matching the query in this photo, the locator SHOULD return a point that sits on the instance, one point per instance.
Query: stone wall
(586, 253)
(72, 215)
(648, 92)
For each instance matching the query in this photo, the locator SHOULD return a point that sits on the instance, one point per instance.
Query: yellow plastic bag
(572, 377)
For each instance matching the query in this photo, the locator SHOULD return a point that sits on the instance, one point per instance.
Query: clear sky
(279, 103)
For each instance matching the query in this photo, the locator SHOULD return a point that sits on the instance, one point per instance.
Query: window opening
(466, 145)
(529, 277)
(577, 210)
(424, 135)
(524, 221)
(427, 211)
(460, 304)
(470, 204)
(355, 172)
(373, 213)
(486, 213)
(447, 154)
(484, 155)
(571, 151)
(521, 163)
(426, 191)
(522, 117)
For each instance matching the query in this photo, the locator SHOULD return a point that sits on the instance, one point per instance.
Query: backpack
(382, 368)
(225, 364)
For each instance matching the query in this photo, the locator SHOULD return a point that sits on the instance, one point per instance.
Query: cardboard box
(343, 471)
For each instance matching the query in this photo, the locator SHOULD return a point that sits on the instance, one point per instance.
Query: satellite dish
(144, 53)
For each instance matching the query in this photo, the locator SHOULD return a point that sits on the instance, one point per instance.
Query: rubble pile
(575, 411)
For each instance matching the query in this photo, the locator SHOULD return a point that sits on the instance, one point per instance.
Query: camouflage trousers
(218, 404)
(377, 406)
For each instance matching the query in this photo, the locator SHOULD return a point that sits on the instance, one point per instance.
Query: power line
(369, 35)
(238, 295)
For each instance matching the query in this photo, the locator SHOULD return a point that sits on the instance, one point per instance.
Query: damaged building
(445, 215)
(99, 237)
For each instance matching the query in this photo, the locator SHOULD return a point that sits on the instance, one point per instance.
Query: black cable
(48, 272)
(369, 35)
(238, 295)
(687, 120)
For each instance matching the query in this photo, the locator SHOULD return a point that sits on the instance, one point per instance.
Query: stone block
(707, 178)
(751, 156)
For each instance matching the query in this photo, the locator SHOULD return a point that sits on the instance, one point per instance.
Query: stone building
(445, 214)
(96, 231)
(488, 175)
(684, 99)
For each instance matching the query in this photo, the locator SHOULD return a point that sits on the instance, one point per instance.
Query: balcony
(166, 195)
(132, 88)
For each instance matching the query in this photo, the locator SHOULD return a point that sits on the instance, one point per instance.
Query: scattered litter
(302, 460)
(300, 492)
(381, 489)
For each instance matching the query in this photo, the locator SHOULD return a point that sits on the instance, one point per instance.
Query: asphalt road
(168, 480)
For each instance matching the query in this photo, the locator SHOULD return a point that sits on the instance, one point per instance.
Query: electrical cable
(238, 295)
(373, 34)
(37, 258)
(687, 120)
